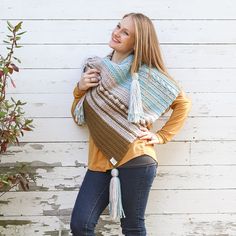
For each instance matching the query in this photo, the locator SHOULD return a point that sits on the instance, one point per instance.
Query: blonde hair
(146, 46)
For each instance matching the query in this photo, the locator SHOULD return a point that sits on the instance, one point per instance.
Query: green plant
(12, 120)
(14, 177)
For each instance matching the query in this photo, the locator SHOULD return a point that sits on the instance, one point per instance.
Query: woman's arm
(78, 94)
(181, 107)
(89, 78)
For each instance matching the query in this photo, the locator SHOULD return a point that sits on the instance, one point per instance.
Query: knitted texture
(106, 106)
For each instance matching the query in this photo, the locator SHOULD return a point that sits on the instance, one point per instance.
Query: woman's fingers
(149, 136)
(92, 75)
(90, 71)
(153, 141)
(93, 84)
(93, 78)
(143, 128)
(90, 78)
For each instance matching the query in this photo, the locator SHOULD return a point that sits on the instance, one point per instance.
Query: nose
(117, 33)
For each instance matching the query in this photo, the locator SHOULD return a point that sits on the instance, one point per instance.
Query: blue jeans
(93, 198)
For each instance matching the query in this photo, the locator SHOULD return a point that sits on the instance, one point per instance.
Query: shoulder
(157, 76)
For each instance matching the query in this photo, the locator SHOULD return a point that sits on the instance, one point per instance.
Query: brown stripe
(107, 89)
(109, 103)
(126, 107)
(116, 121)
(108, 141)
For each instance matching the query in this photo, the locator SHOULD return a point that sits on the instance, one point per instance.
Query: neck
(118, 57)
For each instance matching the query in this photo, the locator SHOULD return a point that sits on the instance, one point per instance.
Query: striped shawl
(106, 106)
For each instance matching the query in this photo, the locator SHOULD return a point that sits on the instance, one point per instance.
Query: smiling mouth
(116, 41)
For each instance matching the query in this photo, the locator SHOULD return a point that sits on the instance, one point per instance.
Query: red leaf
(1, 73)
(27, 128)
(10, 70)
(15, 68)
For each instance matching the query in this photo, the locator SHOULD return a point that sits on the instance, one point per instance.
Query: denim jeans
(93, 198)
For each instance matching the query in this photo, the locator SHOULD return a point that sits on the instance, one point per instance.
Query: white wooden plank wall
(194, 193)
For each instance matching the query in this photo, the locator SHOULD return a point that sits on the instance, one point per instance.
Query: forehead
(128, 23)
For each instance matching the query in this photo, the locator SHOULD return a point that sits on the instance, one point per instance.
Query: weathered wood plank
(47, 178)
(57, 105)
(160, 202)
(204, 128)
(214, 153)
(168, 31)
(56, 130)
(195, 128)
(65, 130)
(34, 225)
(64, 81)
(155, 9)
(157, 225)
(75, 154)
(46, 154)
(195, 177)
(175, 56)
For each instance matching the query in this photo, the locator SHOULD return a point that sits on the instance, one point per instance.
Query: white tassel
(79, 112)
(135, 112)
(115, 202)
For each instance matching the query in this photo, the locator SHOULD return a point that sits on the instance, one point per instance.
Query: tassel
(115, 202)
(79, 112)
(135, 112)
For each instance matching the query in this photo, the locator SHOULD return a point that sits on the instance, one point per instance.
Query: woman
(119, 97)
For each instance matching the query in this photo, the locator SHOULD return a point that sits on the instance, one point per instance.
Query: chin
(111, 45)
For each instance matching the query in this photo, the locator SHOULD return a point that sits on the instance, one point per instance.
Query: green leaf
(9, 28)
(19, 103)
(18, 26)
(5, 182)
(17, 59)
(5, 70)
(10, 25)
(17, 46)
(21, 33)
(6, 41)
(13, 100)
(28, 121)
(2, 114)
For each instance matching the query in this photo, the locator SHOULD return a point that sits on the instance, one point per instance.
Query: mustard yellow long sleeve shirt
(98, 162)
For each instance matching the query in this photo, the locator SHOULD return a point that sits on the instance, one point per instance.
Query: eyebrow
(124, 28)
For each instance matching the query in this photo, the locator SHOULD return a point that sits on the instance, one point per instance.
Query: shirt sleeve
(78, 94)
(181, 107)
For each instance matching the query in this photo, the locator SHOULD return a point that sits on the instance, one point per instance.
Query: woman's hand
(89, 79)
(149, 136)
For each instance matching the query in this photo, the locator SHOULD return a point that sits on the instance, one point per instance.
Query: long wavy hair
(146, 46)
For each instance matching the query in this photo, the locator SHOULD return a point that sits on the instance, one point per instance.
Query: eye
(118, 26)
(126, 33)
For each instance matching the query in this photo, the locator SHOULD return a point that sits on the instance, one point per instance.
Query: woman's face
(122, 38)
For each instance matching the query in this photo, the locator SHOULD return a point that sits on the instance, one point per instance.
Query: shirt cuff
(161, 140)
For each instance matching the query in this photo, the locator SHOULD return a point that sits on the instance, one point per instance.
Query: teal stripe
(156, 97)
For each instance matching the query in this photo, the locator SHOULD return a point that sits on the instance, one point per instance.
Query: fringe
(115, 201)
(79, 112)
(135, 112)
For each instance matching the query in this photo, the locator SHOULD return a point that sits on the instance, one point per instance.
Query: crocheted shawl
(109, 109)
